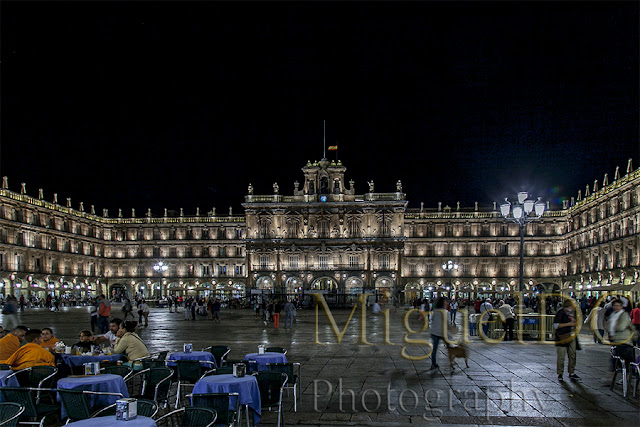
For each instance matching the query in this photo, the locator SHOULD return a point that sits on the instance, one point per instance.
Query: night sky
(154, 105)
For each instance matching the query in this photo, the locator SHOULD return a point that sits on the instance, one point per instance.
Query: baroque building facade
(324, 238)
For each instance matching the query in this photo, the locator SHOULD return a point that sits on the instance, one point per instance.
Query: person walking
(599, 323)
(127, 309)
(277, 308)
(486, 318)
(104, 311)
(93, 309)
(22, 302)
(187, 310)
(215, 310)
(10, 312)
(506, 312)
(621, 331)
(143, 310)
(564, 324)
(437, 329)
(453, 306)
(635, 320)
(290, 313)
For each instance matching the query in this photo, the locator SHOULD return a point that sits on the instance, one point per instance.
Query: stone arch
(324, 283)
(265, 282)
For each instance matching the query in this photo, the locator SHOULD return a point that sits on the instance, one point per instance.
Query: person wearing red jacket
(635, 320)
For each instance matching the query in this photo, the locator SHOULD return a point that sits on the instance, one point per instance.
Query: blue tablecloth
(194, 355)
(246, 387)
(11, 382)
(72, 360)
(106, 383)
(268, 357)
(110, 420)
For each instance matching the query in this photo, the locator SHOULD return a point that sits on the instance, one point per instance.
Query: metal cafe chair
(10, 413)
(189, 372)
(77, 403)
(276, 350)
(25, 396)
(293, 374)
(219, 353)
(271, 385)
(220, 402)
(188, 417)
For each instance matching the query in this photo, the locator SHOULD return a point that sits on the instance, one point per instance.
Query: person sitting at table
(85, 343)
(110, 337)
(129, 343)
(48, 340)
(12, 342)
(31, 354)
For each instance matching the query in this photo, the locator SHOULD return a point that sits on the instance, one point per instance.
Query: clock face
(323, 198)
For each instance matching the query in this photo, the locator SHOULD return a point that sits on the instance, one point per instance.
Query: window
(353, 261)
(264, 261)
(238, 270)
(383, 262)
(413, 270)
(206, 270)
(222, 251)
(323, 261)
(293, 262)
(222, 270)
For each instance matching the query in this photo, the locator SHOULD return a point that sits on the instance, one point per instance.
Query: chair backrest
(147, 408)
(287, 368)
(270, 384)
(219, 353)
(76, 403)
(151, 363)
(121, 370)
(220, 402)
(22, 396)
(162, 356)
(223, 370)
(10, 413)
(276, 350)
(158, 384)
(198, 417)
(42, 376)
(188, 370)
(4, 367)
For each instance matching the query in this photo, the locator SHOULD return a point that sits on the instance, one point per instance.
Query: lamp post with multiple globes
(449, 267)
(522, 212)
(160, 267)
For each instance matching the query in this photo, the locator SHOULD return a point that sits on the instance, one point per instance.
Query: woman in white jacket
(437, 328)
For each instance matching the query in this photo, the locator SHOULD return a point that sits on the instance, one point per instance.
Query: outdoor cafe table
(110, 420)
(4, 382)
(267, 357)
(105, 383)
(75, 361)
(194, 355)
(246, 387)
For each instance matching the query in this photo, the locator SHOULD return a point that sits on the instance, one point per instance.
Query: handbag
(565, 337)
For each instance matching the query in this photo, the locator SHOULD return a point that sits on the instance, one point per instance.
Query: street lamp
(449, 267)
(160, 267)
(522, 212)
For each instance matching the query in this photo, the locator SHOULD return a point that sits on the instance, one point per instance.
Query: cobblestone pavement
(359, 384)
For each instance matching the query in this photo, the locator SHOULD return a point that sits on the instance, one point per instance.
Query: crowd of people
(23, 347)
(269, 312)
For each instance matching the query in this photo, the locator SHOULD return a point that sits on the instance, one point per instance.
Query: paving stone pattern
(354, 384)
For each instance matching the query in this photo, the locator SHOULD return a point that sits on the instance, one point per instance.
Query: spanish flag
(332, 148)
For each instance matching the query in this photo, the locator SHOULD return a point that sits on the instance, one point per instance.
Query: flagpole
(324, 139)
